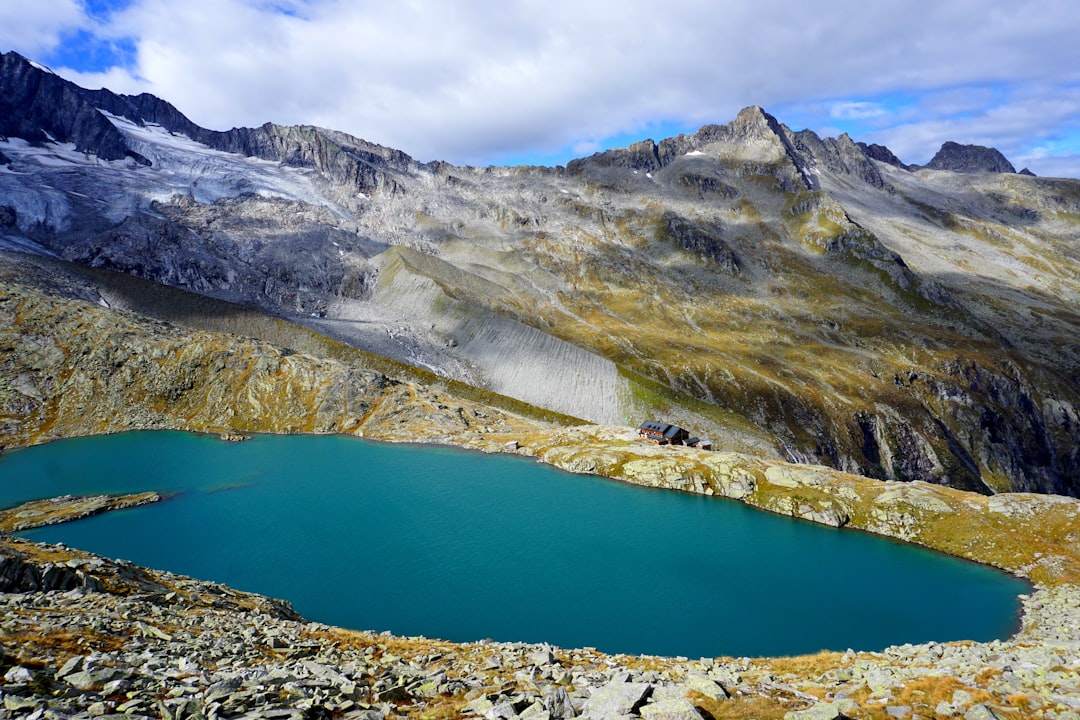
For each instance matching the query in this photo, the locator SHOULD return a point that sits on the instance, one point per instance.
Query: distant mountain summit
(970, 159)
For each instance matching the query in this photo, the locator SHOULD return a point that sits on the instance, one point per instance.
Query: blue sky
(525, 81)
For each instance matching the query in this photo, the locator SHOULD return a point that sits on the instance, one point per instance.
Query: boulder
(558, 704)
(705, 686)
(670, 709)
(616, 700)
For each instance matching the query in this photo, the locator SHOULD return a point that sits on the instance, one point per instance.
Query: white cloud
(471, 81)
(856, 110)
(1025, 125)
(1055, 166)
(37, 27)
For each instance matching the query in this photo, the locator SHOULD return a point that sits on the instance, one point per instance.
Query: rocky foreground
(85, 637)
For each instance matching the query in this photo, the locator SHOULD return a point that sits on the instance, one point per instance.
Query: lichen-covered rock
(793, 476)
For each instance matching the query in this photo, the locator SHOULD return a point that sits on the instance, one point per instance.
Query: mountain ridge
(790, 295)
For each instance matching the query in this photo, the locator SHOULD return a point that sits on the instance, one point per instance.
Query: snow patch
(180, 165)
(54, 155)
(694, 152)
(41, 67)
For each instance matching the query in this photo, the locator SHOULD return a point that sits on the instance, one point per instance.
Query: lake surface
(463, 546)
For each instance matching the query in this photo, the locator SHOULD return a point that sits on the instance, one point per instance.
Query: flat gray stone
(616, 700)
(679, 709)
(18, 675)
(84, 680)
(946, 710)
(821, 711)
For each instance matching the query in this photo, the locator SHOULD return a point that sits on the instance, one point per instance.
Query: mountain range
(796, 297)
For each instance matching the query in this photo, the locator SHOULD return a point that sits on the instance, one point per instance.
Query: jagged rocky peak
(753, 135)
(754, 140)
(882, 154)
(970, 159)
(840, 155)
(753, 123)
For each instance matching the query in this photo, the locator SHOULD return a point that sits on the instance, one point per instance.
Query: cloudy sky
(543, 81)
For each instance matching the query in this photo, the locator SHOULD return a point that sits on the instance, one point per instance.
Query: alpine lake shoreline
(86, 636)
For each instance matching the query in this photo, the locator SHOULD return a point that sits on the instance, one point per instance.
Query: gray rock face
(841, 155)
(672, 709)
(821, 711)
(970, 159)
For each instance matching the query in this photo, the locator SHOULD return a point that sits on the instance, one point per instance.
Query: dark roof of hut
(655, 426)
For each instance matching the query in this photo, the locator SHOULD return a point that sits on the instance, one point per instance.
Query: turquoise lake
(458, 545)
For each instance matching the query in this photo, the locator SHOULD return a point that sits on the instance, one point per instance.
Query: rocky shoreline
(84, 637)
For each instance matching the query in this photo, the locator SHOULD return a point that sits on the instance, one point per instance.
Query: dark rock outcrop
(970, 159)
(708, 242)
(882, 154)
(18, 575)
(642, 156)
(38, 106)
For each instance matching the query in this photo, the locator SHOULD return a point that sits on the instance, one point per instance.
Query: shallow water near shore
(458, 545)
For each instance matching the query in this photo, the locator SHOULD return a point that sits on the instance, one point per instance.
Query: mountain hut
(662, 433)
